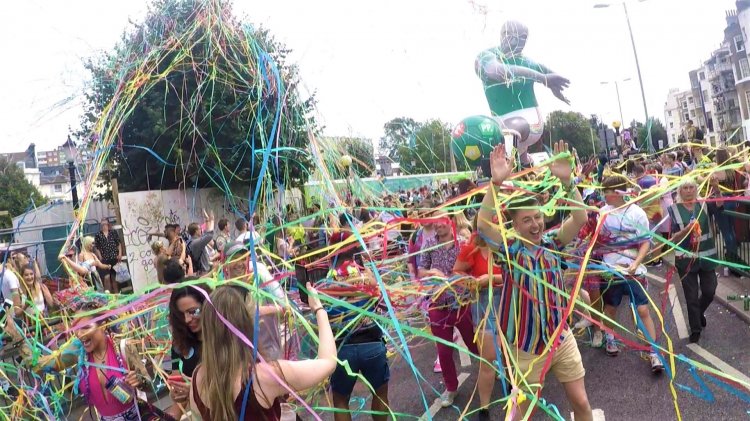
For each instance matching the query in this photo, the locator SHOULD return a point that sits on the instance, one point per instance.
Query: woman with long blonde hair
(228, 380)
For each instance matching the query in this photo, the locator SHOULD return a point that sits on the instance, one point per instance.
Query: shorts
(368, 359)
(484, 313)
(634, 287)
(567, 365)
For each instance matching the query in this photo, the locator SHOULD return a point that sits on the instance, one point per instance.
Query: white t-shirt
(624, 229)
(9, 282)
(244, 238)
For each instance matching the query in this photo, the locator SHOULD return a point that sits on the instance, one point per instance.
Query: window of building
(670, 113)
(685, 117)
(739, 43)
(747, 100)
(671, 125)
(702, 76)
(690, 100)
(58, 188)
(684, 104)
(744, 68)
(705, 95)
(692, 113)
(731, 103)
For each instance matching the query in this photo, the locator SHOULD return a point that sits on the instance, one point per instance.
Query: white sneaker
(598, 340)
(582, 324)
(446, 399)
(656, 366)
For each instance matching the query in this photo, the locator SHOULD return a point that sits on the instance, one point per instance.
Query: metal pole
(637, 64)
(619, 104)
(73, 189)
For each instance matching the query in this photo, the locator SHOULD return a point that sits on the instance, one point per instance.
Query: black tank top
(253, 410)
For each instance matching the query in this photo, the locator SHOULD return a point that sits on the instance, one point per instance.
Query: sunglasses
(196, 312)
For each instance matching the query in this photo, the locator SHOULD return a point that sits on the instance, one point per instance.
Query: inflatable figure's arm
(490, 68)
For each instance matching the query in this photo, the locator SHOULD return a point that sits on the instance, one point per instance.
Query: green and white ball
(474, 138)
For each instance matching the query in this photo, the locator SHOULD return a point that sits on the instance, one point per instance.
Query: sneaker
(598, 340)
(582, 324)
(611, 346)
(436, 368)
(446, 399)
(656, 366)
(695, 337)
(483, 415)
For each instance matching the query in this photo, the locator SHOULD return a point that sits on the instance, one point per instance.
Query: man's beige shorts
(567, 365)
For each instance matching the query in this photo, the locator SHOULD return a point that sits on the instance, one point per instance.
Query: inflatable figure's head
(513, 37)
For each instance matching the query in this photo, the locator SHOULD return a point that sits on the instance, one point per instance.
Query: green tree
(573, 127)
(17, 195)
(658, 132)
(361, 151)
(419, 147)
(197, 97)
(399, 133)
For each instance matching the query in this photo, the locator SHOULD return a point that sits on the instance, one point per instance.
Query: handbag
(122, 274)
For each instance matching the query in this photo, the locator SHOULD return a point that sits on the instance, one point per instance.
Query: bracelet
(315, 310)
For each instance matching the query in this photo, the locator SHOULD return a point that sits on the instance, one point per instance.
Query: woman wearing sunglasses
(184, 321)
(103, 378)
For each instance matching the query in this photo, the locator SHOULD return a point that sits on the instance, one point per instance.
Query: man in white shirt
(9, 284)
(626, 241)
(244, 235)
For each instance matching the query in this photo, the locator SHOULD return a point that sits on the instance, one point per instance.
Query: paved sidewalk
(728, 286)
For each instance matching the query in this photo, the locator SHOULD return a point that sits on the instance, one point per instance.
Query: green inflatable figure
(508, 78)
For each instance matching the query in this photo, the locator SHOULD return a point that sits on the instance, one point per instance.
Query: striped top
(531, 300)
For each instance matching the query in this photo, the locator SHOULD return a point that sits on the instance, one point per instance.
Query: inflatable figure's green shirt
(516, 93)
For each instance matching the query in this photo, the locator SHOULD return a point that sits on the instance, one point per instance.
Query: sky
(369, 62)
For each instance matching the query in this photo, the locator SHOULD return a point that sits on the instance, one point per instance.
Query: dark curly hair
(183, 338)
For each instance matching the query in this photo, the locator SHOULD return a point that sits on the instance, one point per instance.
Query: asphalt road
(623, 388)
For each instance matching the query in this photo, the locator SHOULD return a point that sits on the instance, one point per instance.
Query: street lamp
(617, 89)
(635, 52)
(71, 153)
(346, 162)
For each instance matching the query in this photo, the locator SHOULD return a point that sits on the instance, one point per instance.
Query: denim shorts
(484, 314)
(615, 289)
(368, 359)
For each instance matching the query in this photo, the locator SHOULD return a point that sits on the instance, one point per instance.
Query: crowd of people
(515, 269)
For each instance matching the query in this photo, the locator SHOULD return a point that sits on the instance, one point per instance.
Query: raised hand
(561, 167)
(500, 166)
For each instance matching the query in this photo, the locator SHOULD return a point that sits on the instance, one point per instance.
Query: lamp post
(346, 162)
(616, 125)
(617, 90)
(635, 52)
(71, 152)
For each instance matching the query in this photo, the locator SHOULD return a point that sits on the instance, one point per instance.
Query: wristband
(315, 310)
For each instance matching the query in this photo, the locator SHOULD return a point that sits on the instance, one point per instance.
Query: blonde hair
(684, 182)
(156, 247)
(223, 353)
(87, 242)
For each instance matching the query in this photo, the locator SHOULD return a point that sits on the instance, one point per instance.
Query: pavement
(620, 388)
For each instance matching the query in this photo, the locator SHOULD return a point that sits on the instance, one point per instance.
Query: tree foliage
(572, 127)
(17, 195)
(658, 132)
(419, 147)
(361, 151)
(211, 112)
